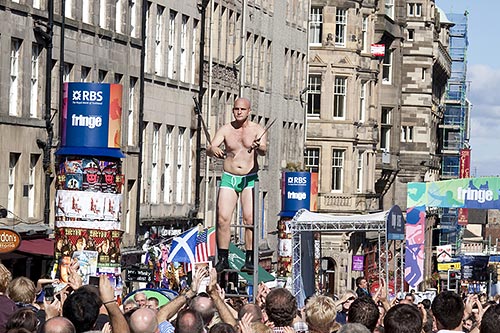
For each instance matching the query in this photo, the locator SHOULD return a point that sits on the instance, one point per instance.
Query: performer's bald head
(58, 325)
(143, 320)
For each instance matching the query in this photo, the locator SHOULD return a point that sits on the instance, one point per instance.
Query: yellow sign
(446, 266)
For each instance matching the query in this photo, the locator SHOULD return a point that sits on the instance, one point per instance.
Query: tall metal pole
(47, 117)
(144, 12)
(202, 8)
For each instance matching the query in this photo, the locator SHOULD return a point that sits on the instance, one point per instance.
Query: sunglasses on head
(351, 298)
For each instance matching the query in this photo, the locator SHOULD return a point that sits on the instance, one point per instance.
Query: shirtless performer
(242, 144)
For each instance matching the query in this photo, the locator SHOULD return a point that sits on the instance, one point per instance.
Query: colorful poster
(415, 238)
(88, 206)
(479, 193)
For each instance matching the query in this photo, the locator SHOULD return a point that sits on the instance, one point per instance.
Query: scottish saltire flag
(183, 247)
(205, 247)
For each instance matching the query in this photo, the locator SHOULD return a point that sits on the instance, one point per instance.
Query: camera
(48, 293)
(94, 281)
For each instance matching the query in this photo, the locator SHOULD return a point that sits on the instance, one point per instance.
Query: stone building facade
(253, 48)
(372, 121)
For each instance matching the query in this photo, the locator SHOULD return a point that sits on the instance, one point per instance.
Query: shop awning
(236, 261)
(43, 246)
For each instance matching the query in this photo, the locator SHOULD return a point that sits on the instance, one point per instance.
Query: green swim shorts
(238, 183)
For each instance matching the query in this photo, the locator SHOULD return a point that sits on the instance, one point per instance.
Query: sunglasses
(350, 299)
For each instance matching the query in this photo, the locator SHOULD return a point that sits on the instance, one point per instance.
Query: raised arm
(116, 318)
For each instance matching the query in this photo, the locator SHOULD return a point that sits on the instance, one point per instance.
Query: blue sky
(483, 74)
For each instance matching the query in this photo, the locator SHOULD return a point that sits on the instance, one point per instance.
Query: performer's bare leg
(247, 207)
(225, 207)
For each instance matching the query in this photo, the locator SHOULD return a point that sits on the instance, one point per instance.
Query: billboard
(91, 119)
(296, 192)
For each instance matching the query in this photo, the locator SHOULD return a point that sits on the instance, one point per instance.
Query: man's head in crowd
(82, 309)
(129, 304)
(353, 328)
(364, 311)
(222, 328)
(141, 299)
(22, 318)
(409, 299)
(403, 318)
(189, 321)
(361, 282)
(22, 290)
(58, 325)
(153, 303)
(448, 310)
(253, 309)
(490, 320)
(281, 307)
(320, 314)
(205, 306)
(5, 278)
(143, 320)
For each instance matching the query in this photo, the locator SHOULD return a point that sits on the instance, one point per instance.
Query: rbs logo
(297, 180)
(87, 96)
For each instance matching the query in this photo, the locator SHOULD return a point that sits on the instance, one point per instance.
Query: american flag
(205, 247)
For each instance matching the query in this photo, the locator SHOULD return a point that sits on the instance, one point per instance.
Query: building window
(67, 68)
(406, 133)
(387, 67)
(362, 101)
(389, 8)
(68, 7)
(315, 25)
(133, 18)
(314, 96)
(32, 184)
(155, 149)
(179, 186)
(183, 50)
(359, 173)
(85, 74)
(340, 27)
(167, 171)
(144, 179)
(35, 65)
(339, 97)
(385, 129)
(118, 78)
(424, 72)
(171, 45)
(364, 33)
(131, 111)
(337, 169)
(311, 159)
(102, 14)
(158, 40)
(148, 38)
(195, 41)
(37, 4)
(15, 86)
(118, 16)
(11, 196)
(414, 9)
(411, 34)
(102, 74)
(86, 11)
(190, 167)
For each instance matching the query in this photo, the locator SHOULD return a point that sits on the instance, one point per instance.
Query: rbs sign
(296, 191)
(91, 119)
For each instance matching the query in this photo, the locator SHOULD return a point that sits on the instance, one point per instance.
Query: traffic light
(453, 280)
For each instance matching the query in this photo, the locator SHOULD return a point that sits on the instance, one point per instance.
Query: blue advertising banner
(395, 224)
(474, 267)
(91, 119)
(296, 192)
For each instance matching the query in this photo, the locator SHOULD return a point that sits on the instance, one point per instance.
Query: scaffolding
(305, 221)
(455, 125)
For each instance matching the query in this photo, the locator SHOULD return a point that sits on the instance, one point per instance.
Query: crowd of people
(86, 308)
